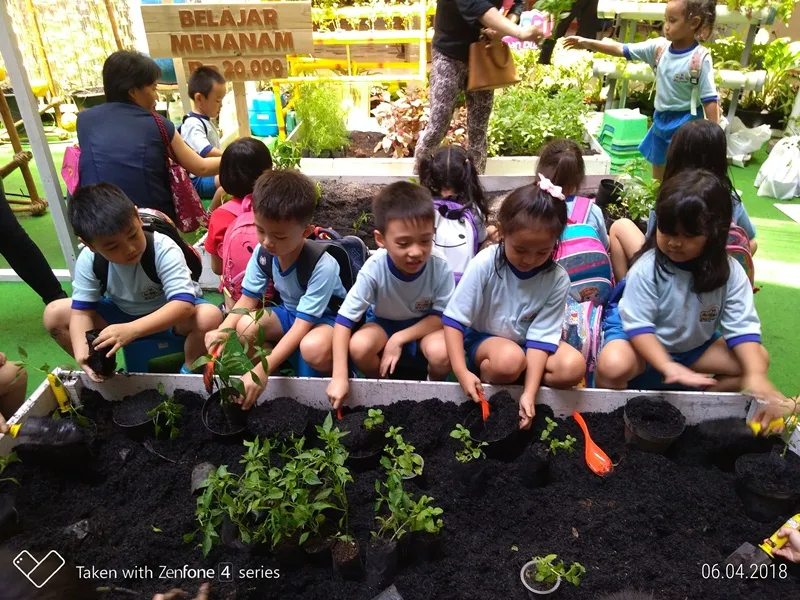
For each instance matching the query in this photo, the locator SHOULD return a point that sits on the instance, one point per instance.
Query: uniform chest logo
(151, 292)
(710, 314)
(526, 318)
(423, 304)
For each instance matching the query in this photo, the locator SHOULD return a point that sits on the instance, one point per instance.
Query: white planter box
(654, 11)
(696, 406)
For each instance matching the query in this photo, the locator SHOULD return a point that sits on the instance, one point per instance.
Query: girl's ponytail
(472, 194)
(561, 161)
(452, 168)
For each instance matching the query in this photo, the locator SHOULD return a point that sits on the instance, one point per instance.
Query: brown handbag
(491, 66)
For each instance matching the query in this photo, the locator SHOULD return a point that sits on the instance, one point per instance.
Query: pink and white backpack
(738, 247)
(584, 256)
(238, 245)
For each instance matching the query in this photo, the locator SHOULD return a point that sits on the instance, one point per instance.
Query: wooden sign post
(244, 42)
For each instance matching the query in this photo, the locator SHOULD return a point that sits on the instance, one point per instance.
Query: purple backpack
(456, 235)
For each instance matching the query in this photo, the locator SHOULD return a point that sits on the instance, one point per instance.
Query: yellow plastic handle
(59, 392)
(774, 424)
(774, 542)
(13, 430)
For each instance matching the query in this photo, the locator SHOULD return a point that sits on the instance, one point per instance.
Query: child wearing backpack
(243, 162)
(696, 145)
(207, 90)
(460, 203)
(402, 289)
(686, 308)
(507, 312)
(112, 293)
(283, 206)
(683, 69)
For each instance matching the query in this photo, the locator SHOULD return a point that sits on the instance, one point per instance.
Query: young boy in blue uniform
(283, 206)
(403, 290)
(132, 306)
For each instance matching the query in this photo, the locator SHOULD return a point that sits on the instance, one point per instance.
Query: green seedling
(554, 443)
(166, 414)
(472, 449)
(548, 570)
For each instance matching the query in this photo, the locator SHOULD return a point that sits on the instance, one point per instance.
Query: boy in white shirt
(403, 290)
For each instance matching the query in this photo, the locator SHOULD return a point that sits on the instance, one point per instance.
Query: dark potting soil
(503, 418)
(359, 439)
(652, 525)
(283, 417)
(344, 552)
(659, 418)
(220, 419)
(133, 409)
(770, 473)
(362, 145)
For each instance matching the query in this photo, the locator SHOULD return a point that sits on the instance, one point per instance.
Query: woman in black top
(459, 24)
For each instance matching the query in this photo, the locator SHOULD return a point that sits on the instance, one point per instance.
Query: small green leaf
(156, 529)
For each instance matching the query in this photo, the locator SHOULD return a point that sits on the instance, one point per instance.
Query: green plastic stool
(627, 126)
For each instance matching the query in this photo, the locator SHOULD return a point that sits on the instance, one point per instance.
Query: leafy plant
(400, 456)
(559, 9)
(286, 155)
(403, 514)
(555, 444)
(472, 449)
(6, 460)
(168, 412)
(362, 220)
(374, 419)
(639, 194)
(781, 59)
(323, 119)
(548, 570)
(784, 8)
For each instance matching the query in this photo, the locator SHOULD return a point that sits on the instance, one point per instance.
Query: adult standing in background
(588, 25)
(121, 142)
(459, 24)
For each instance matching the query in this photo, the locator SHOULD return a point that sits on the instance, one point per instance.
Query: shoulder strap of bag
(167, 144)
(307, 261)
(148, 262)
(580, 211)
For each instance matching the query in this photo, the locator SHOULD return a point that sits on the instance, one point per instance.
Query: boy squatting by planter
(509, 306)
(681, 292)
(207, 90)
(402, 288)
(684, 72)
(283, 205)
(133, 306)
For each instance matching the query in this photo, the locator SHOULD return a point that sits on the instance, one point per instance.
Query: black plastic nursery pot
(382, 558)
(767, 486)
(469, 479)
(131, 414)
(422, 547)
(609, 192)
(500, 431)
(364, 445)
(226, 422)
(98, 361)
(652, 425)
(318, 550)
(280, 418)
(347, 560)
(755, 117)
(536, 465)
(9, 518)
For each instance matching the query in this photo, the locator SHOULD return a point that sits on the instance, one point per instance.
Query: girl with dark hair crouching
(686, 308)
(509, 307)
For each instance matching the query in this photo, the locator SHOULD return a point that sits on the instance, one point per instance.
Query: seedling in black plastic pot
(401, 456)
(166, 414)
(472, 449)
(554, 443)
(374, 419)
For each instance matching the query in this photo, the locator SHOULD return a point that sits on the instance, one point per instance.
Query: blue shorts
(205, 186)
(665, 124)
(114, 315)
(287, 318)
(473, 339)
(391, 327)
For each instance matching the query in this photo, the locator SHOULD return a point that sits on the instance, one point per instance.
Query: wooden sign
(241, 69)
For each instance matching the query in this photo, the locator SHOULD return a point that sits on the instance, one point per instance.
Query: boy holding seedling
(207, 90)
(403, 290)
(129, 305)
(283, 206)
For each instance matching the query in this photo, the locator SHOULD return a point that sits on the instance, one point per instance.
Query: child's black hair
(699, 144)
(696, 203)
(242, 163)
(100, 210)
(127, 70)
(530, 207)
(453, 168)
(202, 81)
(706, 10)
(65, 584)
(285, 195)
(402, 201)
(561, 161)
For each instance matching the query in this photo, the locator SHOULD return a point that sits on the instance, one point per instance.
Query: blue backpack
(349, 251)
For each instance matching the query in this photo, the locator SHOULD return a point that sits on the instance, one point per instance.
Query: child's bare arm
(338, 389)
(605, 46)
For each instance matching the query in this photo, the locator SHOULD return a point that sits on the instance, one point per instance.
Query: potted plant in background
(322, 120)
(542, 575)
(636, 198)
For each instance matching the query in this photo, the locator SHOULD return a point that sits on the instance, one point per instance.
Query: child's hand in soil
(677, 373)
(392, 352)
(175, 593)
(791, 551)
(252, 389)
(472, 386)
(212, 336)
(116, 337)
(527, 410)
(338, 390)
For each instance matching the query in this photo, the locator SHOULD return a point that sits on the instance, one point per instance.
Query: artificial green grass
(21, 309)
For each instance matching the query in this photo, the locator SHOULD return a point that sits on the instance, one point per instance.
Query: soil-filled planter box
(657, 520)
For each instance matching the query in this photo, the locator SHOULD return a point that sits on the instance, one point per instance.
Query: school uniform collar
(399, 274)
(685, 50)
(685, 265)
(525, 274)
(199, 116)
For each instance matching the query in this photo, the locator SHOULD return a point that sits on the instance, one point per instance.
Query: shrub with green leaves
(401, 514)
(286, 155)
(400, 456)
(639, 192)
(324, 126)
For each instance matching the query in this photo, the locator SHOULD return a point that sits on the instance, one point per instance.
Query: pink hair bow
(551, 188)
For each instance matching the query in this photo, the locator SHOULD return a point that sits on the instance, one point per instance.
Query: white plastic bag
(744, 141)
(779, 176)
